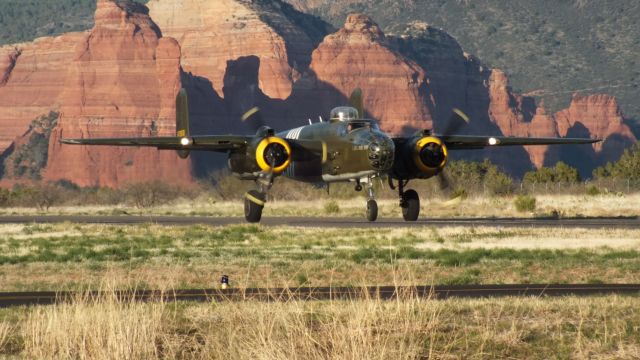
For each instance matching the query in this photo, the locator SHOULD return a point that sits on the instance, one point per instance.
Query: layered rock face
(32, 77)
(212, 33)
(395, 88)
(594, 116)
(122, 82)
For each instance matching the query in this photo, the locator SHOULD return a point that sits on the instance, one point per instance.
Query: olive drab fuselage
(325, 152)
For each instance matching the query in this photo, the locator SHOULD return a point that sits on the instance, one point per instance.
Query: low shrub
(525, 203)
(331, 207)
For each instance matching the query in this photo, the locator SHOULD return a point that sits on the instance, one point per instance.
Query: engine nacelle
(430, 155)
(420, 157)
(273, 154)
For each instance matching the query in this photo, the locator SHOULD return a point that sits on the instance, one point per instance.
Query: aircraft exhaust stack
(182, 120)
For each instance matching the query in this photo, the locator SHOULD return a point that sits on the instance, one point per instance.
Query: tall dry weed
(5, 331)
(93, 329)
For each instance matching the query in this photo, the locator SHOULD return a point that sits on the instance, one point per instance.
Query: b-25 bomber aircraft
(347, 147)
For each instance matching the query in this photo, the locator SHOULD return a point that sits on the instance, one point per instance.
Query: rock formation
(212, 33)
(122, 82)
(594, 116)
(395, 87)
(32, 76)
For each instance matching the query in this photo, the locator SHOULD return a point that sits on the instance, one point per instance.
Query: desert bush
(144, 195)
(39, 195)
(560, 173)
(497, 182)
(476, 177)
(331, 207)
(525, 203)
(593, 190)
(5, 197)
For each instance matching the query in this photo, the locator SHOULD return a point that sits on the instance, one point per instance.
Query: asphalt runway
(324, 293)
(333, 222)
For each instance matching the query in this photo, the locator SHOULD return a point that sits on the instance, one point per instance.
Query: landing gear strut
(358, 186)
(372, 205)
(409, 202)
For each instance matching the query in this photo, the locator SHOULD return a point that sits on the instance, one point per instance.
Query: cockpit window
(344, 113)
(360, 124)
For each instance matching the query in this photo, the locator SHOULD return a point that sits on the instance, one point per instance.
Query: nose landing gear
(372, 204)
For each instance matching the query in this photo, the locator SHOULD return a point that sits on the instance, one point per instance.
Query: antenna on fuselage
(310, 123)
(320, 117)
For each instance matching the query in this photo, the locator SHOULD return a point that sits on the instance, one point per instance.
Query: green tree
(561, 173)
(469, 175)
(626, 168)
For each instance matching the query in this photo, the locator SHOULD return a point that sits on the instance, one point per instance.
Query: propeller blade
(457, 121)
(443, 181)
(253, 118)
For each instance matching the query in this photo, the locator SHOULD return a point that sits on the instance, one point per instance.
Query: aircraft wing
(221, 143)
(462, 142)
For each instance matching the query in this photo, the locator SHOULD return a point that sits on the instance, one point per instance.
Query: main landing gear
(255, 200)
(409, 201)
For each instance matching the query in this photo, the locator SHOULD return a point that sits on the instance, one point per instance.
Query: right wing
(461, 142)
(220, 143)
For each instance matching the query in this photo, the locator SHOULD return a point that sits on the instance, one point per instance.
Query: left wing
(461, 142)
(221, 143)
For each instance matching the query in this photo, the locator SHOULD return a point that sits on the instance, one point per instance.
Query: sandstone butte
(394, 87)
(112, 80)
(212, 33)
(122, 80)
(596, 116)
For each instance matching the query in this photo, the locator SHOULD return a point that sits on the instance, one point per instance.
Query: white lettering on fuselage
(294, 134)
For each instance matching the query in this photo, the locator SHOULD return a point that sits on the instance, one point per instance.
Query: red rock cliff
(394, 87)
(600, 114)
(595, 116)
(211, 33)
(32, 77)
(122, 82)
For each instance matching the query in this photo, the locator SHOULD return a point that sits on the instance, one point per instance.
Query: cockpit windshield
(344, 113)
(360, 124)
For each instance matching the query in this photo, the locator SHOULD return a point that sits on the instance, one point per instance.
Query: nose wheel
(372, 210)
(372, 204)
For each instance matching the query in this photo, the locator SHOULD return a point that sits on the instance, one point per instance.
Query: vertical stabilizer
(182, 119)
(356, 101)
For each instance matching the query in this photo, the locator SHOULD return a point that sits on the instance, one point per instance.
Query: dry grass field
(604, 205)
(71, 256)
(597, 327)
(89, 257)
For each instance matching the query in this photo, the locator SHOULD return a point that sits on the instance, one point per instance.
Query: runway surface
(324, 293)
(334, 222)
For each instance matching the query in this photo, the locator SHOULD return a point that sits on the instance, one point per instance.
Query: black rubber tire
(372, 210)
(410, 205)
(252, 210)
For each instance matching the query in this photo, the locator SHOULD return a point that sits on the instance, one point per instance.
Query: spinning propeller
(456, 121)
